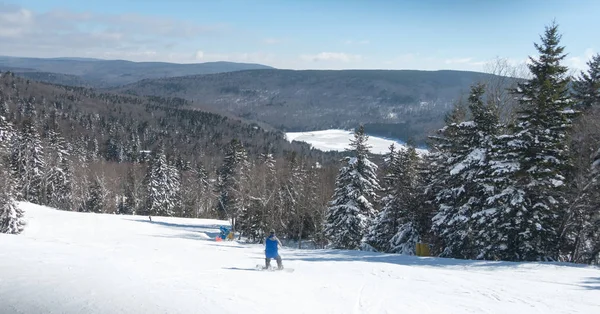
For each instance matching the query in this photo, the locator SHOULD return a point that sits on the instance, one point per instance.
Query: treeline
(80, 150)
(524, 190)
(513, 175)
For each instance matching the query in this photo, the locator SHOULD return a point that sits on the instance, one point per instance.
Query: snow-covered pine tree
(204, 189)
(59, 174)
(587, 86)
(231, 182)
(529, 204)
(351, 209)
(435, 169)
(28, 162)
(408, 199)
(11, 216)
(463, 194)
(588, 248)
(385, 224)
(162, 187)
(97, 196)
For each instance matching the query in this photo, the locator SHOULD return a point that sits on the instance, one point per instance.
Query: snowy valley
(68, 262)
(339, 140)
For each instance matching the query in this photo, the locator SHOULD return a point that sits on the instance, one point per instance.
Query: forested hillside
(405, 103)
(75, 149)
(520, 185)
(106, 73)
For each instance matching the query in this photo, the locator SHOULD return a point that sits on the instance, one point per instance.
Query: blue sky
(299, 34)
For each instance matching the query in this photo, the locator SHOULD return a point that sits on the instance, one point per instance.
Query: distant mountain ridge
(111, 73)
(397, 103)
(400, 104)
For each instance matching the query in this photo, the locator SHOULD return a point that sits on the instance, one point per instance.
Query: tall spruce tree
(97, 196)
(11, 216)
(464, 195)
(587, 86)
(408, 201)
(588, 246)
(59, 174)
(385, 224)
(351, 210)
(533, 162)
(28, 162)
(162, 187)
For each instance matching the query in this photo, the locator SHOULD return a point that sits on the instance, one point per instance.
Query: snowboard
(287, 270)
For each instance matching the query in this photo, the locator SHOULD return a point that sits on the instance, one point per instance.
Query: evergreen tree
(59, 175)
(408, 199)
(28, 164)
(230, 182)
(587, 86)
(162, 187)
(11, 216)
(351, 210)
(206, 197)
(97, 196)
(385, 225)
(532, 162)
(464, 194)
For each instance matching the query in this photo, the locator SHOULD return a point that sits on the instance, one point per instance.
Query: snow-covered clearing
(339, 140)
(68, 262)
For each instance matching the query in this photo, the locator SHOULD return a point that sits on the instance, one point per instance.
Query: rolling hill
(396, 103)
(106, 73)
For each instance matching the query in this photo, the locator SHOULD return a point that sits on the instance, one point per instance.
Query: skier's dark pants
(268, 261)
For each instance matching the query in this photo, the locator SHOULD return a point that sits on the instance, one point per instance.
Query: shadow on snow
(210, 230)
(192, 232)
(407, 260)
(592, 283)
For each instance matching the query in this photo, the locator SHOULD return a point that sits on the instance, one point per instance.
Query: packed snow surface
(339, 140)
(67, 262)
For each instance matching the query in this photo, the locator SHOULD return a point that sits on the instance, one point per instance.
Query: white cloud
(56, 33)
(199, 55)
(579, 63)
(332, 56)
(14, 21)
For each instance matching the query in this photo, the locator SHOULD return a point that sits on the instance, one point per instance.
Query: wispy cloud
(25, 32)
(579, 63)
(332, 56)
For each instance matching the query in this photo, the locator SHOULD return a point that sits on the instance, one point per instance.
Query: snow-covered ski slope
(94, 263)
(339, 140)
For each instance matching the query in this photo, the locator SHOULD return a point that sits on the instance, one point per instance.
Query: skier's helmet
(272, 231)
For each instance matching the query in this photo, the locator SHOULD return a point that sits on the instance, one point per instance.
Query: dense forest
(513, 175)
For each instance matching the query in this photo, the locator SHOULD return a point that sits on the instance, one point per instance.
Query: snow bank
(339, 140)
(68, 262)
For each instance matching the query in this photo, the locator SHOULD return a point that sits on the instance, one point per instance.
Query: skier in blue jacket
(272, 244)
